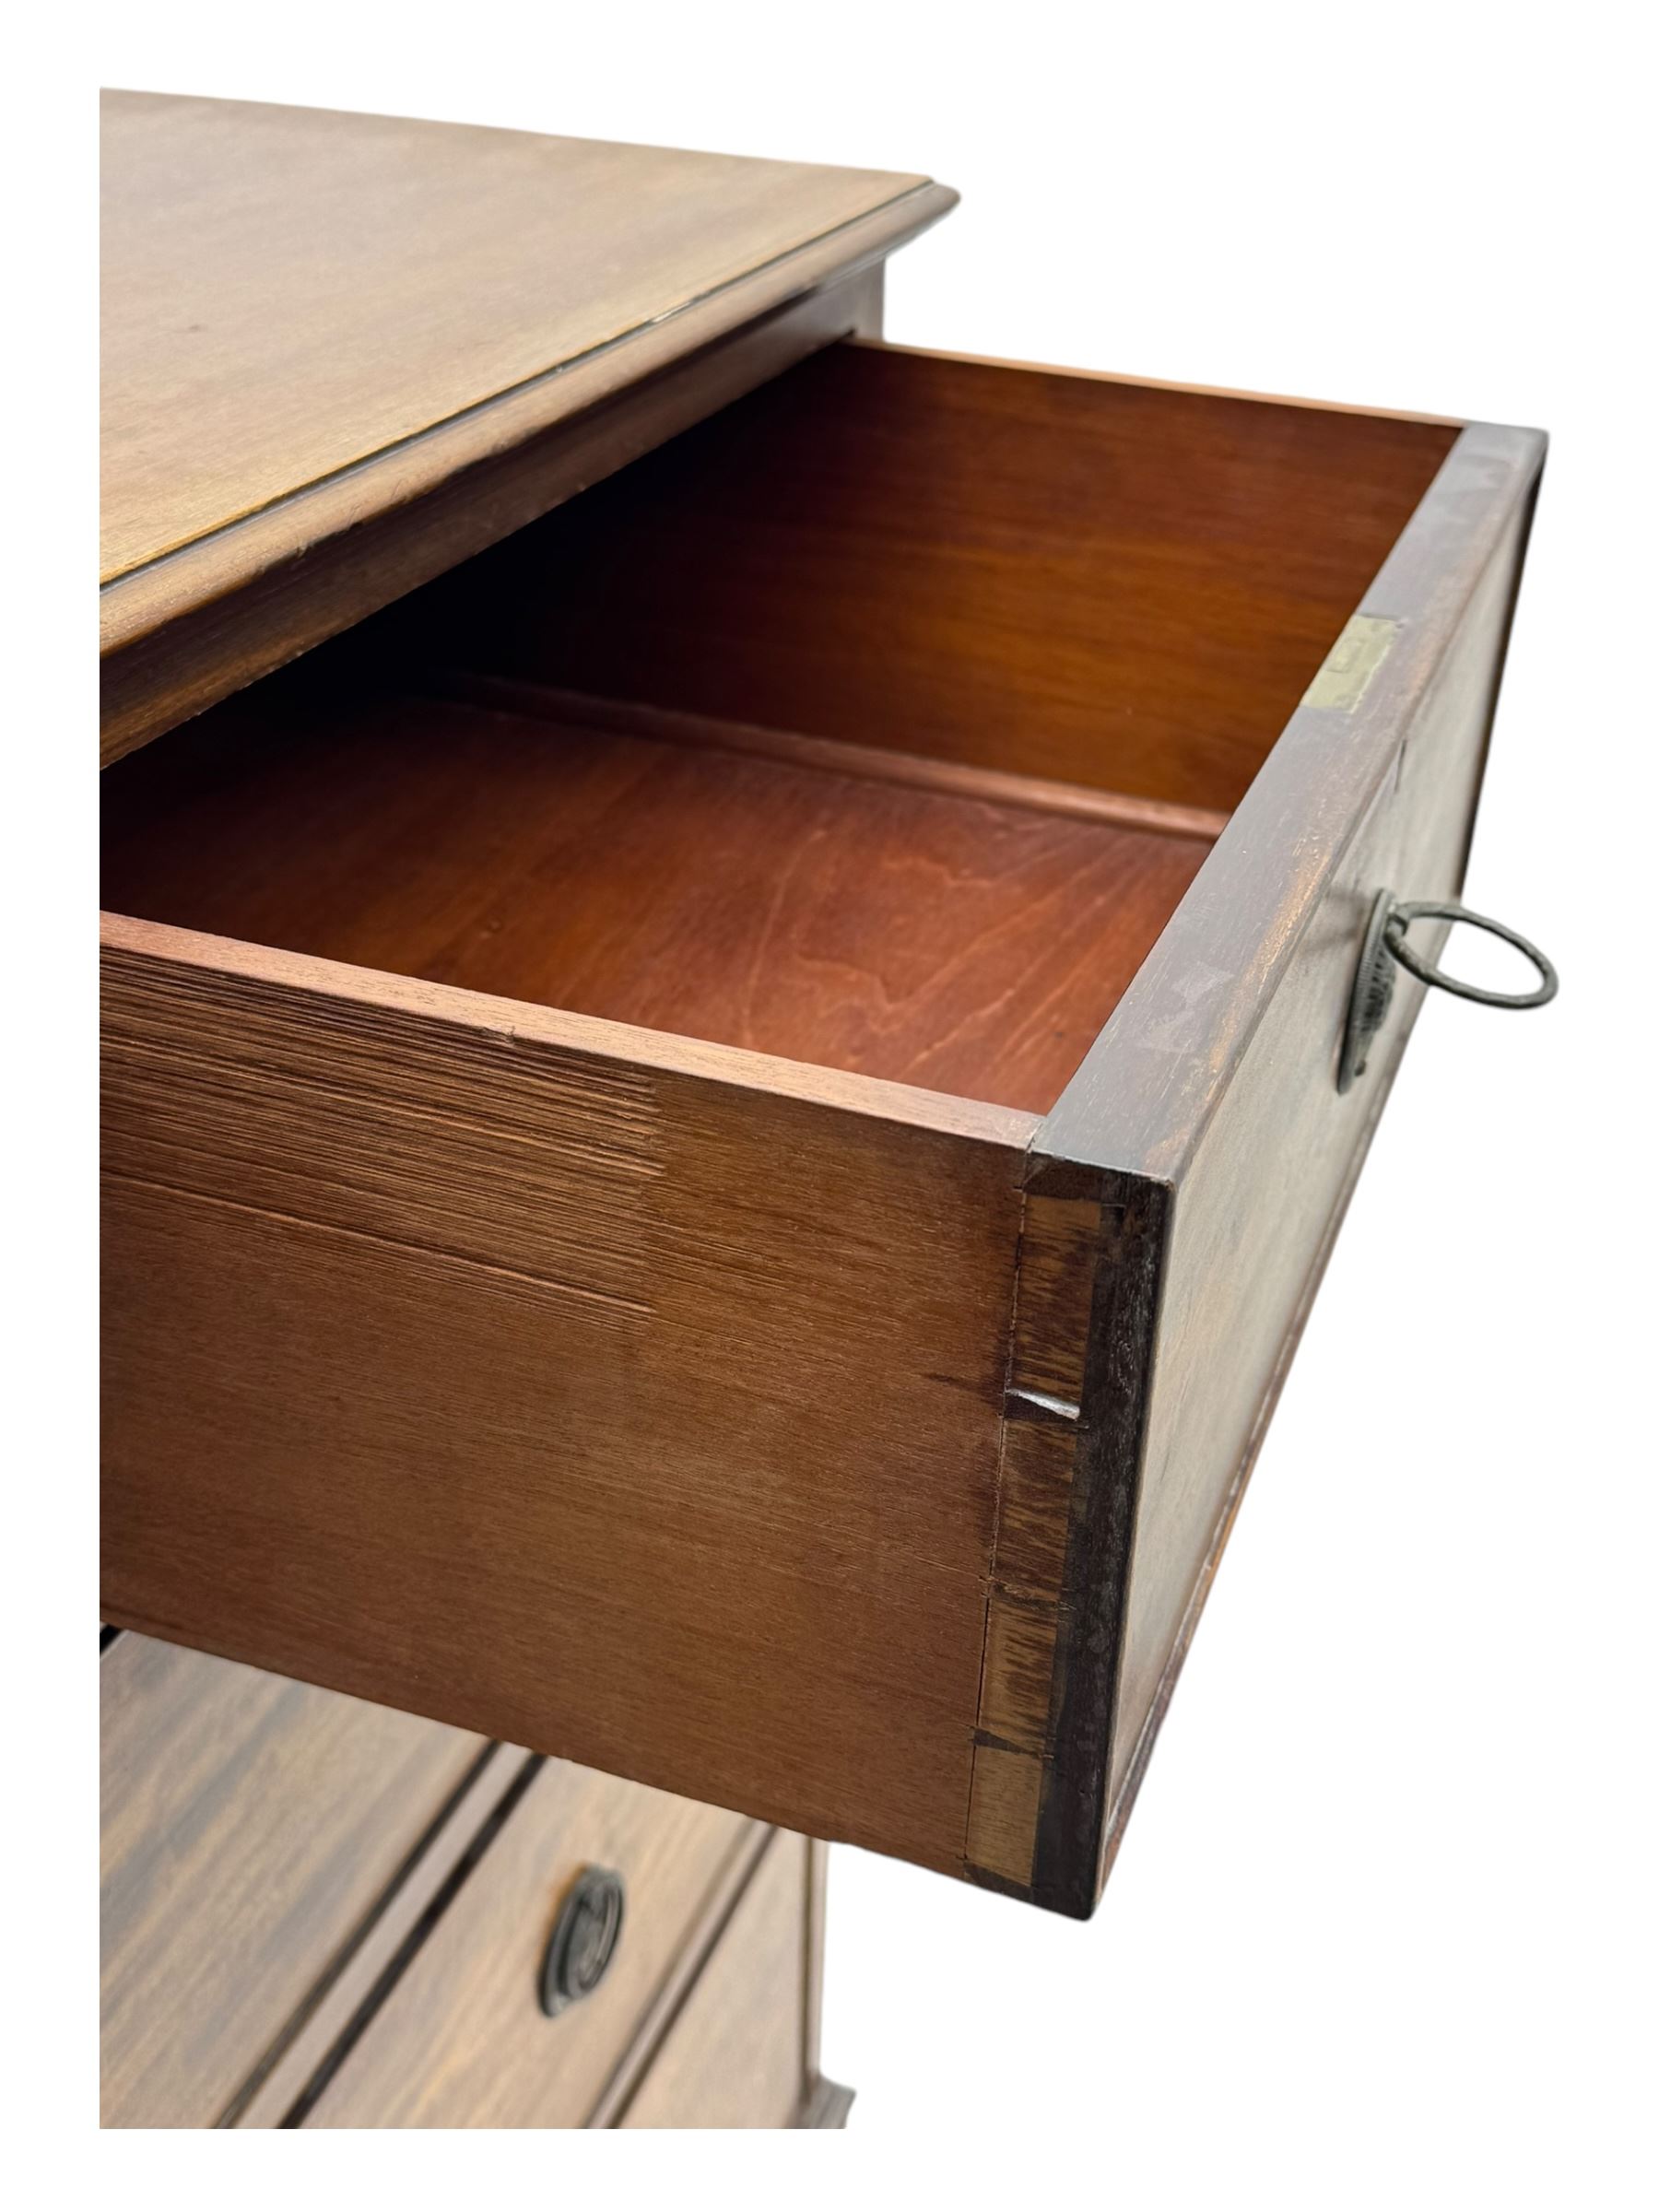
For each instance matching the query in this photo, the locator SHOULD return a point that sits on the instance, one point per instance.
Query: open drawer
(720, 1126)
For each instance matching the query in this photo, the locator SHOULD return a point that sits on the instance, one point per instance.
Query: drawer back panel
(1109, 584)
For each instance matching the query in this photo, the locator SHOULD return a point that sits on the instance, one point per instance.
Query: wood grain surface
(1112, 585)
(1059, 1241)
(318, 327)
(656, 2021)
(461, 2040)
(251, 1828)
(188, 630)
(634, 1400)
(916, 934)
(338, 2009)
(495, 1330)
(291, 292)
(1225, 1154)
(736, 2057)
(836, 756)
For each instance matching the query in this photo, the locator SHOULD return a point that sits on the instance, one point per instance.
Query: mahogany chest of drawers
(742, 994)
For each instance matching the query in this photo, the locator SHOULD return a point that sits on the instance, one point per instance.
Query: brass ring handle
(1385, 948)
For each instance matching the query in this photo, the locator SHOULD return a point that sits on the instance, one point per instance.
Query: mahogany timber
(461, 2040)
(1207, 1125)
(314, 322)
(642, 1396)
(251, 1828)
(848, 1453)
(342, 2009)
(880, 764)
(189, 656)
(891, 930)
(270, 1961)
(1056, 575)
(737, 2056)
(1058, 1246)
(658, 2018)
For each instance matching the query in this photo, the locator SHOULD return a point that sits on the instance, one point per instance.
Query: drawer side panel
(644, 1418)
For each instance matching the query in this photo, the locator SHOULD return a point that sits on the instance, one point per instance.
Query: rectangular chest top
(311, 320)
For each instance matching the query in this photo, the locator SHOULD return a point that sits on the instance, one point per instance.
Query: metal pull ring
(1385, 948)
(1402, 915)
(583, 1941)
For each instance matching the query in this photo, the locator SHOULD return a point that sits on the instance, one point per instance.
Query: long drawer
(720, 1127)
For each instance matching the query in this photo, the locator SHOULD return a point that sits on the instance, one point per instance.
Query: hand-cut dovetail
(1039, 1405)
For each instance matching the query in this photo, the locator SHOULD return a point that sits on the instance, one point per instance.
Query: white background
(1381, 1930)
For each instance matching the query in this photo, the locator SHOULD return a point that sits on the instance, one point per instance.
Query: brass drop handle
(583, 1941)
(1385, 948)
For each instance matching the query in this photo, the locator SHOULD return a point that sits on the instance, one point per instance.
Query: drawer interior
(880, 723)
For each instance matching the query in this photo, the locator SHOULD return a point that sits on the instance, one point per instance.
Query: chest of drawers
(727, 964)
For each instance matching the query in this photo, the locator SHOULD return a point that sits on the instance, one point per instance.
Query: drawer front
(1205, 1153)
(462, 2039)
(251, 1826)
(736, 2053)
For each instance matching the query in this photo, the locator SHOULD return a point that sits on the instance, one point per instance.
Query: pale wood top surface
(288, 293)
